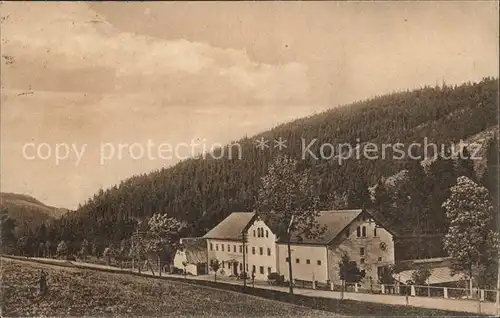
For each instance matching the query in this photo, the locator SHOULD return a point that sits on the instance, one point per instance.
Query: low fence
(346, 306)
(483, 295)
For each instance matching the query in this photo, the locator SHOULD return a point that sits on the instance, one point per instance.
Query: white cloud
(71, 36)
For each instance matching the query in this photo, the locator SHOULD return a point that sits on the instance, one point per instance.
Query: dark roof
(334, 223)
(231, 227)
(195, 249)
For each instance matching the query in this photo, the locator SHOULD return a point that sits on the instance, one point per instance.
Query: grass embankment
(77, 292)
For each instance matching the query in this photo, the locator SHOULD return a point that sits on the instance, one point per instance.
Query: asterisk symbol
(280, 143)
(262, 143)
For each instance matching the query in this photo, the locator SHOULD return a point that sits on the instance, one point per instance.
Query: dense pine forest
(201, 192)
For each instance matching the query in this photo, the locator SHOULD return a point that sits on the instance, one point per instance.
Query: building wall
(301, 270)
(373, 255)
(225, 250)
(265, 263)
(180, 256)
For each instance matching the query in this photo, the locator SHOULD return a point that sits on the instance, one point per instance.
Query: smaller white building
(192, 256)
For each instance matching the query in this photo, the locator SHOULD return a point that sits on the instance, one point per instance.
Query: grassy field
(77, 292)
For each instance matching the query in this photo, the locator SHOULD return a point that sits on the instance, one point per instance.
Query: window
(358, 231)
(375, 231)
(308, 261)
(269, 270)
(261, 251)
(241, 249)
(258, 232)
(268, 251)
(267, 233)
(253, 268)
(362, 251)
(241, 267)
(246, 249)
(211, 247)
(222, 247)
(253, 250)
(347, 232)
(364, 232)
(247, 267)
(234, 248)
(216, 247)
(222, 264)
(297, 260)
(362, 261)
(261, 269)
(287, 259)
(253, 233)
(380, 259)
(228, 248)
(319, 262)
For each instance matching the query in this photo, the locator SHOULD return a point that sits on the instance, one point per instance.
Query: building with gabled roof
(225, 243)
(193, 254)
(353, 232)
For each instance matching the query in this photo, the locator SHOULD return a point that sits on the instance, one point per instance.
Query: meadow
(78, 292)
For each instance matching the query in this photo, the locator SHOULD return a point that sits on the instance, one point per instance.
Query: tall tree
(163, 236)
(491, 176)
(288, 202)
(357, 195)
(7, 234)
(349, 270)
(84, 249)
(62, 249)
(440, 178)
(464, 166)
(470, 241)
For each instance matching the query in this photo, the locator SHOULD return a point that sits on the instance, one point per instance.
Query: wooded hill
(202, 192)
(28, 211)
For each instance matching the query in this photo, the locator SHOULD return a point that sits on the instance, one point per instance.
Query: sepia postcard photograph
(249, 158)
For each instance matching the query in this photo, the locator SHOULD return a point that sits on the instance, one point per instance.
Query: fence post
(482, 295)
(413, 293)
(314, 284)
(331, 285)
(445, 292)
(382, 287)
(356, 288)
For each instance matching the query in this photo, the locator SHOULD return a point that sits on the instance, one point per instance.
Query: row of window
(254, 268)
(361, 232)
(261, 249)
(362, 260)
(260, 232)
(308, 261)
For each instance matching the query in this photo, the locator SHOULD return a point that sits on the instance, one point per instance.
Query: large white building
(353, 232)
(224, 243)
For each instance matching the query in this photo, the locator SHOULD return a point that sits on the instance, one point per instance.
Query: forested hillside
(204, 191)
(28, 210)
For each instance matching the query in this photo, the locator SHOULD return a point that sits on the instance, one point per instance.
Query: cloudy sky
(88, 75)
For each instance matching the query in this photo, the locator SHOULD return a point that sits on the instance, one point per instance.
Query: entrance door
(235, 269)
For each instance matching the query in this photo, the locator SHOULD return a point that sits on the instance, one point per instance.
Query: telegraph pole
(498, 289)
(244, 239)
(290, 276)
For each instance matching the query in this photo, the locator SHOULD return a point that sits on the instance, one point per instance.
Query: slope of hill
(26, 209)
(204, 191)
